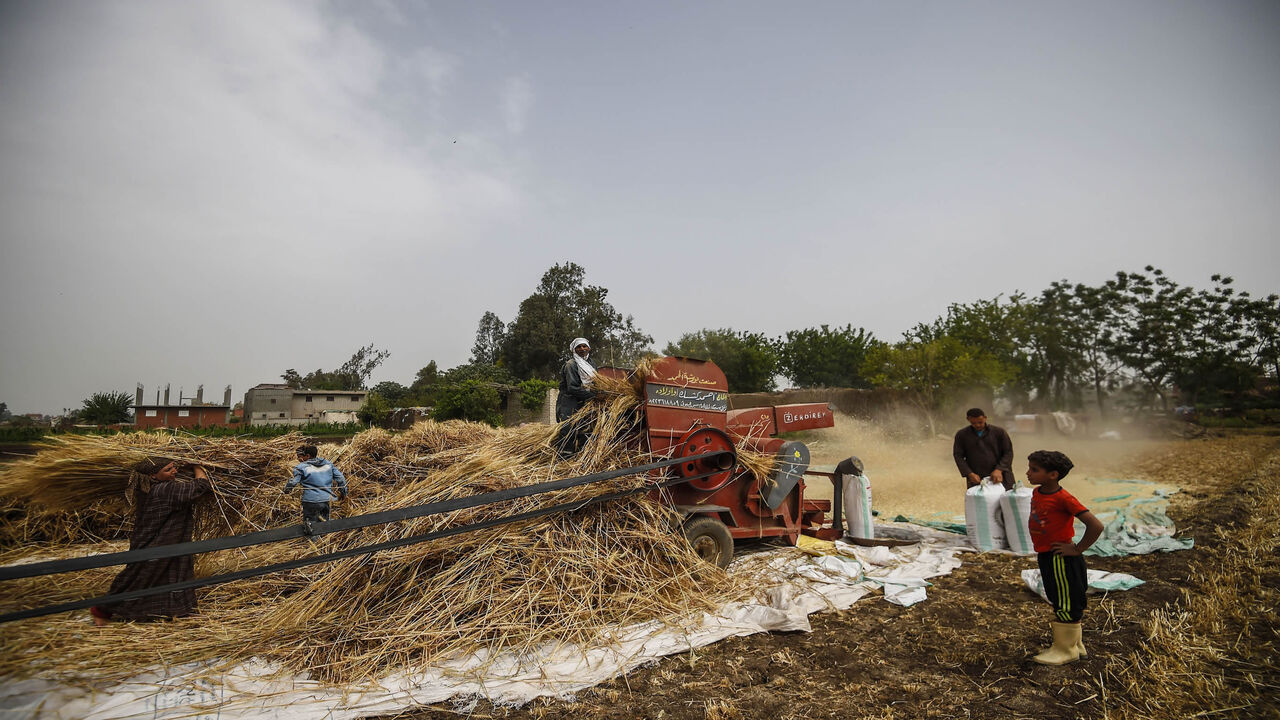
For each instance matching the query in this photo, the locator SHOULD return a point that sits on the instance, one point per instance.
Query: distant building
(189, 412)
(276, 404)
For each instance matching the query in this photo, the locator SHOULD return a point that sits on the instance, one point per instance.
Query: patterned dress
(165, 516)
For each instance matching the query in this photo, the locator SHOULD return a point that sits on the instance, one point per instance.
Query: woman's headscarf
(585, 368)
(141, 475)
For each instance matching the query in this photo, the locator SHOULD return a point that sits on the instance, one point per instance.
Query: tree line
(1137, 340)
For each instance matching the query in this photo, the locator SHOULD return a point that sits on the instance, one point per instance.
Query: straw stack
(563, 578)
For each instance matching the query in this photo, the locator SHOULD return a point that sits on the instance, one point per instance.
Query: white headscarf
(585, 369)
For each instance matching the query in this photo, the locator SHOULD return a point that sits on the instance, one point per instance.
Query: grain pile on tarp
(563, 578)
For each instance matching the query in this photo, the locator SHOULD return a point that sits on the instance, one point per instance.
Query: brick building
(189, 412)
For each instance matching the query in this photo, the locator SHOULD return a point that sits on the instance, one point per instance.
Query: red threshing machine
(686, 413)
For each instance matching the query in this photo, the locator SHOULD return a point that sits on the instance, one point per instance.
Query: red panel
(751, 422)
(803, 416)
(689, 377)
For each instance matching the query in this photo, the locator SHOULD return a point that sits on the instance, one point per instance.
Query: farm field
(1198, 639)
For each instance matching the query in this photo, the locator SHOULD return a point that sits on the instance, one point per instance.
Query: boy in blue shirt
(318, 478)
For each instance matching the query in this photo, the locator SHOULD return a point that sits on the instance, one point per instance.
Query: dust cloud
(918, 478)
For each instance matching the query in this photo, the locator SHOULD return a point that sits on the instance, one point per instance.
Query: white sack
(857, 507)
(1015, 507)
(982, 516)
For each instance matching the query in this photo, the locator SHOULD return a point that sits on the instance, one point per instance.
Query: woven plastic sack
(1015, 507)
(857, 507)
(983, 519)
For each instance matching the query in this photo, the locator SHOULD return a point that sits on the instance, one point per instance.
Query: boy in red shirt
(1053, 511)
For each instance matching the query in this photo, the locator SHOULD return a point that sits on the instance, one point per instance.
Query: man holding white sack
(983, 450)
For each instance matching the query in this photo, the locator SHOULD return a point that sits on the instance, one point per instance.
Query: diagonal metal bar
(340, 555)
(290, 532)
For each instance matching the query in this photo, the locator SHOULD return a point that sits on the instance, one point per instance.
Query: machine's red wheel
(705, 440)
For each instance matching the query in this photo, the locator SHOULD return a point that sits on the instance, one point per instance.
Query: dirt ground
(1198, 639)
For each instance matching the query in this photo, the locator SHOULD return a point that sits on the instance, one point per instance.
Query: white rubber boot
(1066, 638)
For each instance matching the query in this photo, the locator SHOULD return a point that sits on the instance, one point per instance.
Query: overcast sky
(212, 192)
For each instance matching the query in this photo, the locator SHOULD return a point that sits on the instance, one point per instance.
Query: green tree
(1219, 361)
(1262, 322)
(4, 412)
(490, 336)
(533, 392)
(1094, 317)
(473, 400)
(991, 332)
(749, 360)
(391, 391)
(822, 357)
(375, 411)
(479, 372)
(351, 375)
(936, 371)
(1153, 328)
(561, 308)
(107, 408)
(422, 391)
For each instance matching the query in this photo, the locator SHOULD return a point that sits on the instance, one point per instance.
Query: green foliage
(472, 400)
(106, 408)
(533, 392)
(478, 372)
(422, 391)
(4, 412)
(822, 357)
(749, 360)
(937, 371)
(375, 410)
(490, 336)
(391, 391)
(21, 433)
(561, 308)
(351, 375)
(267, 431)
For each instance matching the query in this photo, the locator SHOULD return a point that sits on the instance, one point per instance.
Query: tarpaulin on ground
(826, 577)
(1100, 581)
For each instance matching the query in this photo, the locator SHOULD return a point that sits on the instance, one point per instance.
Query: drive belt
(290, 532)
(352, 552)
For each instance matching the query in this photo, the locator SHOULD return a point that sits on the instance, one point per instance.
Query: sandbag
(982, 515)
(857, 507)
(1015, 509)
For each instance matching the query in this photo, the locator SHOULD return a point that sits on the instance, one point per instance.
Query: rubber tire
(710, 540)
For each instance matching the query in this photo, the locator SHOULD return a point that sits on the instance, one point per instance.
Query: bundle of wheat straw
(75, 489)
(565, 577)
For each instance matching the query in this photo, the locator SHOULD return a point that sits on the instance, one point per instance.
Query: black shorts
(1066, 579)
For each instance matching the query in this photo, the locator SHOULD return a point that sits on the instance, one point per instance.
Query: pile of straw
(75, 488)
(563, 578)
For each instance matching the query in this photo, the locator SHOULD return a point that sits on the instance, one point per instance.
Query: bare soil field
(1197, 640)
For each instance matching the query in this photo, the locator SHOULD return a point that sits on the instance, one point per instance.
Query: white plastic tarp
(803, 584)
(1100, 581)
